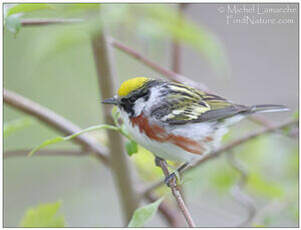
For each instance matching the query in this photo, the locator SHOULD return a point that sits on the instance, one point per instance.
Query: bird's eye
(132, 99)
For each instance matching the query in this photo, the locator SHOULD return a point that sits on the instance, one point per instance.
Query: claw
(169, 178)
(174, 175)
(158, 161)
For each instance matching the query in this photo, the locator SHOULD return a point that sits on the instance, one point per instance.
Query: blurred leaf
(224, 177)
(131, 147)
(13, 126)
(67, 138)
(82, 6)
(292, 163)
(124, 131)
(115, 114)
(44, 215)
(144, 161)
(13, 24)
(295, 211)
(254, 151)
(117, 15)
(64, 38)
(144, 214)
(267, 221)
(28, 7)
(263, 187)
(168, 22)
(53, 43)
(296, 115)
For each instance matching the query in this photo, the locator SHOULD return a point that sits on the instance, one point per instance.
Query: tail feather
(268, 108)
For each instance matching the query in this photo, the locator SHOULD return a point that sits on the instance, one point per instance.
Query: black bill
(112, 100)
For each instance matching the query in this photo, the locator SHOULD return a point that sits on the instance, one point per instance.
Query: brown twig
(175, 46)
(55, 121)
(45, 152)
(176, 193)
(165, 72)
(226, 148)
(49, 21)
(119, 162)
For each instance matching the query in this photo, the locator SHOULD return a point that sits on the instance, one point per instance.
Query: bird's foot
(173, 176)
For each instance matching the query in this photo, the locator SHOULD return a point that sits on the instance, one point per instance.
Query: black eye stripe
(127, 103)
(140, 94)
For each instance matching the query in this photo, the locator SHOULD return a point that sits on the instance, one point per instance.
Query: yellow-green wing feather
(184, 105)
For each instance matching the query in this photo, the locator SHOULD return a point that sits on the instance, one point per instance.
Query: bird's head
(132, 95)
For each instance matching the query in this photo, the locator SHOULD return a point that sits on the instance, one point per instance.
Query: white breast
(169, 151)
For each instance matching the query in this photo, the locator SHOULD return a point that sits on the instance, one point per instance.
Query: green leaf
(67, 138)
(13, 24)
(115, 114)
(224, 177)
(28, 7)
(43, 215)
(144, 214)
(264, 187)
(131, 147)
(13, 126)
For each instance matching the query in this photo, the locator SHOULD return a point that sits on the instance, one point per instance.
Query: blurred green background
(249, 64)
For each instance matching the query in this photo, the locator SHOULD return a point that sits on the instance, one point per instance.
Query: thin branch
(175, 46)
(55, 121)
(165, 72)
(119, 162)
(49, 21)
(226, 148)
(237, 190)
(176, 193)
(45, 152)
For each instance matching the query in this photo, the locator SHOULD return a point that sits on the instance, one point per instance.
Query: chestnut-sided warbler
(176, 122)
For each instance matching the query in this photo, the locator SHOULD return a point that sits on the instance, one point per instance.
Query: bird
(177, 122)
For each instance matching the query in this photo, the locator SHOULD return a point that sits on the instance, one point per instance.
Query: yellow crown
(131, 85)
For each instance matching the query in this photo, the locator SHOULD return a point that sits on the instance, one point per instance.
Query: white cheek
(139, 106)
(153, 99)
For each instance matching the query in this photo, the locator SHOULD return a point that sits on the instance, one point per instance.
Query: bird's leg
(176, 173)
(158, 161)
(163, 165)
(169, 177)
(182, 167)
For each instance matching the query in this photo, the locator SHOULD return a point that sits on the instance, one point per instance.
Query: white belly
(169, 151)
